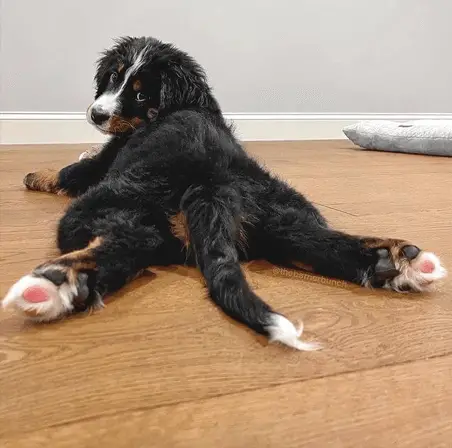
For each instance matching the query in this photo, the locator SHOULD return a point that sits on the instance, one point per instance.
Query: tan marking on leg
(79, 260)
(82, 259)
(383, 242)
(179, 228)
(120, 67)
(394, 246)
(46, 180)
(81, 254)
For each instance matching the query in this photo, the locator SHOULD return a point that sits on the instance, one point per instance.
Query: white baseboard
(35, 128)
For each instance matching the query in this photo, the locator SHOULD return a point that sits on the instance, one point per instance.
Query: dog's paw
(404, 267)
(46, 180)
(48, 293)
(90, 153)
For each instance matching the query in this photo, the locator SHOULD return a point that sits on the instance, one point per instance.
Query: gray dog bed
(430, 137)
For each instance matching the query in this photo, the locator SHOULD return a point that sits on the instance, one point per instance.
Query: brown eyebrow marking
(137, 85)
(120, 67)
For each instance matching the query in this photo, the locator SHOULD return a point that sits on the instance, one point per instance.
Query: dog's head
(138, 78)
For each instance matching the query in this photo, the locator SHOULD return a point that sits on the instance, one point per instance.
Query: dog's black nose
(98, 116)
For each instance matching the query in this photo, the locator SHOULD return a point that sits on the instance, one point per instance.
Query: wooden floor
(160, 366)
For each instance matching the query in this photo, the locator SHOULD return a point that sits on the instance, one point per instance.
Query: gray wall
(307, 56)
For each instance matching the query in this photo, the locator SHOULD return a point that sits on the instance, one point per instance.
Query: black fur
(186, 159)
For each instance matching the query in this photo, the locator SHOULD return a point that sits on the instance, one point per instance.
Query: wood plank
(401, 406)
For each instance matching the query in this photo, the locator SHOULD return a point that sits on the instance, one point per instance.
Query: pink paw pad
(36, 294)
(427, 267)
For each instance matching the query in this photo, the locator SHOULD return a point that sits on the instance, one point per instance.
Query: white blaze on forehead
(108, 101)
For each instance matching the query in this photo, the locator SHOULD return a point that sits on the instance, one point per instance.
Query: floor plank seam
(336, 209)
(213, 397)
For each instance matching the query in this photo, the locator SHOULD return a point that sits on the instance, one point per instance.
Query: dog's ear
(105, 64)
(183, 85)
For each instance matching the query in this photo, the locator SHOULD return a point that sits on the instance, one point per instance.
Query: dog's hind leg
(120, 249)
(294, 233)
(75, 179)
(213, 220)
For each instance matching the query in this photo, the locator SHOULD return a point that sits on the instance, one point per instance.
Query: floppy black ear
(104, 66)
(183, 86)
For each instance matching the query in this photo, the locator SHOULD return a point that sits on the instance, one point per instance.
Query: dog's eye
(141, 97)
(113, 77)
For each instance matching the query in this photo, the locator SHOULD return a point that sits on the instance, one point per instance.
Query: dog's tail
(213, 233)
(230, 291)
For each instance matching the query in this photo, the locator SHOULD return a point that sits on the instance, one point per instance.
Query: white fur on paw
(58, 304)
(89, 153)
(412, 278)
(283, 331)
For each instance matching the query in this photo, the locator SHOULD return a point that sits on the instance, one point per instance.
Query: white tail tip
(283, 331)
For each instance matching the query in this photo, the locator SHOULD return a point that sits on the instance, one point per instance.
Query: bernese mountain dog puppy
(174, 186)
